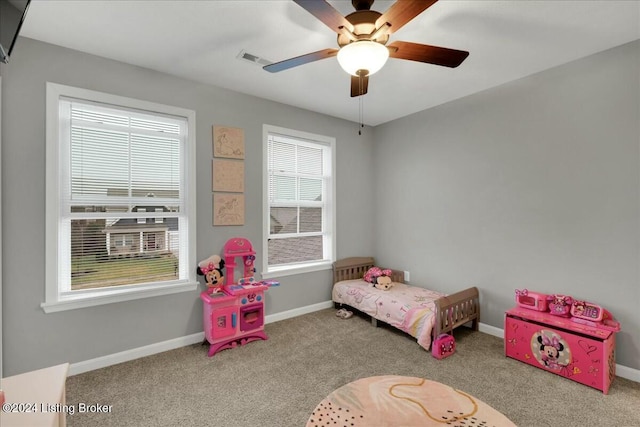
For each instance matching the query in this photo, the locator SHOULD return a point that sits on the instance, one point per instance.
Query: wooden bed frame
(451, 311)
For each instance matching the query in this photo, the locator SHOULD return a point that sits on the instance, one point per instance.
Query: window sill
(291, 270)
(99, 298)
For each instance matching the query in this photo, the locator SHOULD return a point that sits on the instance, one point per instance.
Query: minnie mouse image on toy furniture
(211, 269)
(574, 338)
(554, 352)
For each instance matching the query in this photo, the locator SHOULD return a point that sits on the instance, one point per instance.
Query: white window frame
(329, 219)
(1, 376)
(55, 298)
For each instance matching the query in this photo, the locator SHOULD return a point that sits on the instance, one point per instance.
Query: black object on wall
(12, 14)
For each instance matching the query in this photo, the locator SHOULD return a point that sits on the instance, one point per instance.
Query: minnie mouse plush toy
(211, 269)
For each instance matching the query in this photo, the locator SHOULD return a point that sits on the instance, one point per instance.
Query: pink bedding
(408, 308)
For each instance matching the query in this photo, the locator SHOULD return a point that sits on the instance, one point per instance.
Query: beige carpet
(279, 382)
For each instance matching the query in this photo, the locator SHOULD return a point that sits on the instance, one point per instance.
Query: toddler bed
(420, 312)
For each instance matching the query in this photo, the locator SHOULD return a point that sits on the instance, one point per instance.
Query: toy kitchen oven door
(236, 315)
(251, 312)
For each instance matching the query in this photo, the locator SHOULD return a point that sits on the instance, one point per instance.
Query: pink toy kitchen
(234, 312)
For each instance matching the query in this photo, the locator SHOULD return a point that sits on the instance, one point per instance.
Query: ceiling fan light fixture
(363, 55)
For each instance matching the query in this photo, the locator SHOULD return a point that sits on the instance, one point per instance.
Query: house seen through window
(299, 193)
(122, 190)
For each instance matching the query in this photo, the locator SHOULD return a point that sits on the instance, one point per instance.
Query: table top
(34, 398)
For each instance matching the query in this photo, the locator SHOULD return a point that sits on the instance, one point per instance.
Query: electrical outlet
(407, 276)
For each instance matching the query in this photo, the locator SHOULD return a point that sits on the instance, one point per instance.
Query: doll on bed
(381, 278)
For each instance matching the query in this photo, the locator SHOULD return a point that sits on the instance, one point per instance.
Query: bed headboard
(355, 267)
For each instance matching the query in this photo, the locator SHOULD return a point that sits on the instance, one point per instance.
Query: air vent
(254, 59)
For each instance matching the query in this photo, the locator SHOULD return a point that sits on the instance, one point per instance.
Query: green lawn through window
(91, 272)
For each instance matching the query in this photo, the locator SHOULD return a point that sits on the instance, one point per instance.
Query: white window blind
(124, 165)
(299, 200)
(124, 212)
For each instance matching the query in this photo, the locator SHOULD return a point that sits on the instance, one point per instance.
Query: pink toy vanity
(582, 352)
(236, 314)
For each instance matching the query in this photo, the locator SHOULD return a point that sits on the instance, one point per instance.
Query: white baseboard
(628, 373)
(297, 312)
(491, 330)
(621, 371)
(134, 353)
(148, 350)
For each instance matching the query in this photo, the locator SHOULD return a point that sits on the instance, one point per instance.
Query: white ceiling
(201, 40)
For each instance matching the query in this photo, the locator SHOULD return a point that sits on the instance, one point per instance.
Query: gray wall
(33, 339)
(534, 184)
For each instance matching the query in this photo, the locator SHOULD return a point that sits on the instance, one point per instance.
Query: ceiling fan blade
(326, 13)
(401, 12)
(359, 85)
(300, 60)
(424, 53)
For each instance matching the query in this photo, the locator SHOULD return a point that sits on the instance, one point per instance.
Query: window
(299, 202)
(120, 221)
(159, 219)
(141, 220)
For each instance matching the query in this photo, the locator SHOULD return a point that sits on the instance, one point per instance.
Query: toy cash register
(593, 315)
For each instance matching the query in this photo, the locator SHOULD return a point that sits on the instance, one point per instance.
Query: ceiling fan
(362, 37)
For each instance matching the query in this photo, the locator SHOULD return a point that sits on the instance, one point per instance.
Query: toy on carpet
(234, 314)
(443, 346)
(344, 314)
(380, 278)
(211, 269)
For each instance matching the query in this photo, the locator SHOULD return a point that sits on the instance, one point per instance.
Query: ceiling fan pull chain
(361, 101)
(361, 110)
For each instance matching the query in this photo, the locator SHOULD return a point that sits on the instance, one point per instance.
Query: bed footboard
(457, 309)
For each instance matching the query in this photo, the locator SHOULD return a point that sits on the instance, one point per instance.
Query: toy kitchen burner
(235, 314)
